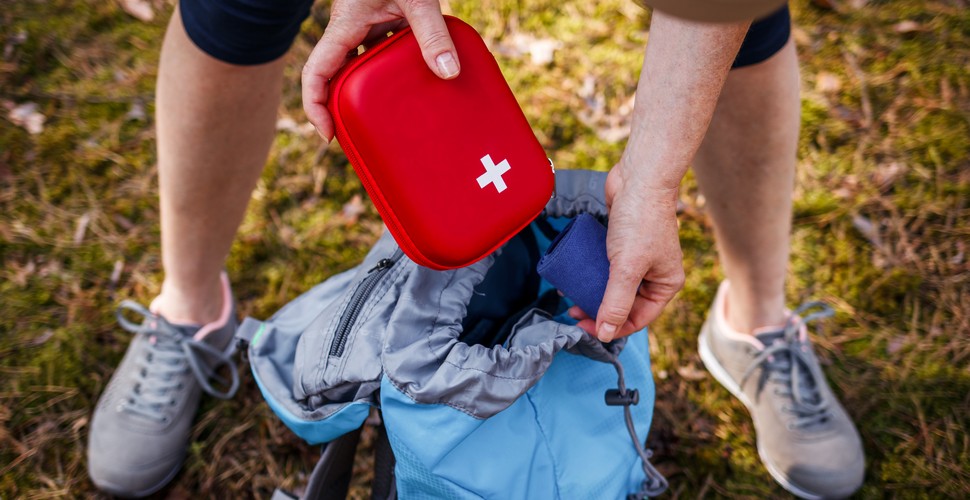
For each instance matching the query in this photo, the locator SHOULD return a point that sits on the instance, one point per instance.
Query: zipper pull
(555, 188)
(381, 264)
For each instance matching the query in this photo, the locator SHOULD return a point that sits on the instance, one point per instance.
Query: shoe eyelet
(171, 402)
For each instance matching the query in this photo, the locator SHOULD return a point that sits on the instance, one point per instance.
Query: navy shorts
(765, 38)
(259, 31)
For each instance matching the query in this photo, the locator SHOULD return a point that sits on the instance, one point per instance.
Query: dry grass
(881, 233)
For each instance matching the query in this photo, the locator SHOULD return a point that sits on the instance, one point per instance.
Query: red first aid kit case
(451, 165)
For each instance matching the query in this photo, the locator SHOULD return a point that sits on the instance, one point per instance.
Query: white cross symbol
(493, 173)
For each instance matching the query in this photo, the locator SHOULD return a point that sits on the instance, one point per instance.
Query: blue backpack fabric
(487, 389)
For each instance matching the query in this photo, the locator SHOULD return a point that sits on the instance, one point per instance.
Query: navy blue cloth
(576, 263)
(765, 38)
(259, 31)
(244, 32)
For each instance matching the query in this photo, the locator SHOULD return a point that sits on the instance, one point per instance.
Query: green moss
(897, 358)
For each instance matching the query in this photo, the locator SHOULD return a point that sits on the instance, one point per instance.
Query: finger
(588, 325)
(429, 27)
(621, 290)
(327, 57)
(643, 312)
(652, 298)
(576, 313)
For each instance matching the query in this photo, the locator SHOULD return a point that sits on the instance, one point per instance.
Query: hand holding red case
(451, 165)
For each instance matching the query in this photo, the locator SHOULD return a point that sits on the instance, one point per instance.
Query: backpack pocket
(338, 356)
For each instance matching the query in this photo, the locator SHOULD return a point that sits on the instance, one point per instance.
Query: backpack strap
(384, 487)
(331, 475)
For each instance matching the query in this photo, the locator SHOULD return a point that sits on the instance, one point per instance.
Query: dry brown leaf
(868, 230)
(116, 273)
(136, 112)
(21, 274)
(957, 259)
(81, 228)
(124, 222)
(886, 174)
(353, 209)
(13, 42)
(907, 26)
(542, 51)
(42, 338)
(79, 424)
(690, 373)
(895, 344)
(26, 115)
(286, 124)
(827, 83)
(139, 9)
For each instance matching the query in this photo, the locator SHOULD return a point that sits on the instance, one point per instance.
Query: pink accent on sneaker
(721, 322)
(226, 310)
(223, 315)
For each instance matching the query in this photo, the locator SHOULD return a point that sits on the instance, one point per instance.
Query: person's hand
(646, 268)
(356, 22)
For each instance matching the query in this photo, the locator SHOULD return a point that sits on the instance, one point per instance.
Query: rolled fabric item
(576, 263)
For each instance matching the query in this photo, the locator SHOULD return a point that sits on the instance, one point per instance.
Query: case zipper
(340, 133)
(357, 301)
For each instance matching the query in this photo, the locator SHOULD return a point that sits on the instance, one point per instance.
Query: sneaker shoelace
(170, 354)
(787, 364)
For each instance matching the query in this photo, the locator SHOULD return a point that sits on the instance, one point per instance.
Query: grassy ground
(881, 233)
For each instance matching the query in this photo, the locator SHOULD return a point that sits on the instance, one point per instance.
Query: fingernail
(607, 332)
(447, 65)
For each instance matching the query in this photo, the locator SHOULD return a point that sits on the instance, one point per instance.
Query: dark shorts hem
(765, 38)
(244, 32)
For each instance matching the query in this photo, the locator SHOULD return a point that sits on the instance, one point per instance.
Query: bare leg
(215, 128)
(745, 168)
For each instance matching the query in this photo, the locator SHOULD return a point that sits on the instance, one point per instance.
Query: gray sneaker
(141, 425)
(805, 438)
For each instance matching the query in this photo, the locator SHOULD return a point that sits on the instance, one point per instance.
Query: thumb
(430, 29)
(621, 291)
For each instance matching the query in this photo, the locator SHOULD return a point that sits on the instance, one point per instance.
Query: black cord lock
(629, 397)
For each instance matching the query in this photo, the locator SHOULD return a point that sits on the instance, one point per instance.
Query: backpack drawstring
(655, 483)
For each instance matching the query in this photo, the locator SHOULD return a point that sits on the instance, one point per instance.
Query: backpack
(486, 388)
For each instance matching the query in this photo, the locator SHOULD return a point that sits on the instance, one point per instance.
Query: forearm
(684, 69)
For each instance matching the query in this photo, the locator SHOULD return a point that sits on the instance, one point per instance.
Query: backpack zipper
(357, 301)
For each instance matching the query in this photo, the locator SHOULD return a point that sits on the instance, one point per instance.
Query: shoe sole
(117, 491)
(722, 376)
